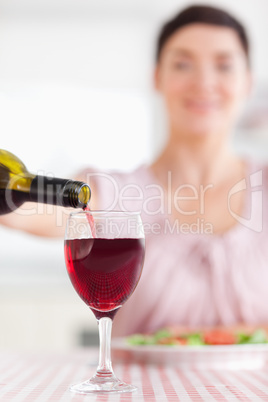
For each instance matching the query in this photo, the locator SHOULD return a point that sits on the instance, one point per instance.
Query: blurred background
(75, 91)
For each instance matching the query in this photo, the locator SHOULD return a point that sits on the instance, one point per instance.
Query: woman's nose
(204, 79)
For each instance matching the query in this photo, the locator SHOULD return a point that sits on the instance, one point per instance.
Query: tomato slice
(219, 337)
(180, 341)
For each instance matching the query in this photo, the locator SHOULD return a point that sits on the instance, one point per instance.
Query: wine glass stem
(105, 331)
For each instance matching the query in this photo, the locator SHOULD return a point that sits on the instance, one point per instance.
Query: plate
(234, 357)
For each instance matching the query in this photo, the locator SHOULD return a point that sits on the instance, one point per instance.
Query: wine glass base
(109, 386)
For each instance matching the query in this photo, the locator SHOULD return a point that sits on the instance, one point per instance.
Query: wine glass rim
(100, 212)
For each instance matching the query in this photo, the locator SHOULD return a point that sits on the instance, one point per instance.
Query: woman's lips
(202, 106)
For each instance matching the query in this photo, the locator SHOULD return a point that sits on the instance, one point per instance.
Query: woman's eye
(182, 65)
(225, 67)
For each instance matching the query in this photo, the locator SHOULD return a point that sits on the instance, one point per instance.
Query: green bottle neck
(56, 191)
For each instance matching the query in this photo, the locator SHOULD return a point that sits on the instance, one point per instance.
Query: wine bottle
(17, 186)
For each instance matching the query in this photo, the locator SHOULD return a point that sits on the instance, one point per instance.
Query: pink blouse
(190, 277)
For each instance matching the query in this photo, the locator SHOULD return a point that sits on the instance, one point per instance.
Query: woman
(206, 234)
(206, 256)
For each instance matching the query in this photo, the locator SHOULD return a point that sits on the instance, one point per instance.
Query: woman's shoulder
(256, 164)
(257, 172)
(111, 185)
(137, 172)
(130, 181)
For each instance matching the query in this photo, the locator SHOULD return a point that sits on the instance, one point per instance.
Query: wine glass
(104, 254)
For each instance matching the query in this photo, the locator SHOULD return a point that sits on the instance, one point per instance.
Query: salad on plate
(215, 336)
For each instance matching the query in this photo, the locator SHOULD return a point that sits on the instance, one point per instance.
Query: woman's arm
(37, 219)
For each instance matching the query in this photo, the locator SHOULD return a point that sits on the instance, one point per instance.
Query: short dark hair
(201, 14)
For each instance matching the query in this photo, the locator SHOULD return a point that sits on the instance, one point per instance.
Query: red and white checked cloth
(26, 377)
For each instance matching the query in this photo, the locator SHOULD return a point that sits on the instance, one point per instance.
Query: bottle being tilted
(17, 186)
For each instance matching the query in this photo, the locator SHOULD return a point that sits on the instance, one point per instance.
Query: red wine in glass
(104, 272)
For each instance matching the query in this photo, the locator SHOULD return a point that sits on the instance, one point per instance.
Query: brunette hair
(204, 15)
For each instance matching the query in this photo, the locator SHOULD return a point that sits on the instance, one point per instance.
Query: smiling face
(204, 78)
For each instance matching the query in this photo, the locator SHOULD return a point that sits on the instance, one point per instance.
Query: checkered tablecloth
(28, 377)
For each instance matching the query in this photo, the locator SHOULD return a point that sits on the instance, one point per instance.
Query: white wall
(75, 90)
(56, 54)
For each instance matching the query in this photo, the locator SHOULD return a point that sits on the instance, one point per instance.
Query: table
(45, 377)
